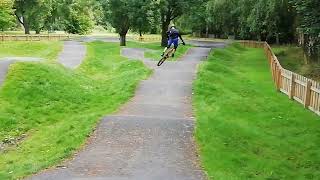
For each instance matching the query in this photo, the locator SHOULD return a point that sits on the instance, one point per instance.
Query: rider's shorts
(175, 42)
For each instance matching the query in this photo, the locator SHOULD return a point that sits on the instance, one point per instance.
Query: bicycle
(166, 55)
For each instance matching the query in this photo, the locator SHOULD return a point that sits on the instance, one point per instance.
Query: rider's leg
(176, 43)
(168, 46)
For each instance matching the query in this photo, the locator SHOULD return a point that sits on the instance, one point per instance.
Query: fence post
(292, 86)
(279, 78)
(2, 37)
(307, 94)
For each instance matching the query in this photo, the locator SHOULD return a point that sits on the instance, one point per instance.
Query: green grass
(54, 109)
(156, 50)
(292, 58)
(247, 130)
(42, 49)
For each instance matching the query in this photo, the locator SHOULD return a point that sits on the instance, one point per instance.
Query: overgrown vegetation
(47, 111)
(292, 58)
(247, 130)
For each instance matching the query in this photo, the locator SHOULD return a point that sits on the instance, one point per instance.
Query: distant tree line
(275, 21)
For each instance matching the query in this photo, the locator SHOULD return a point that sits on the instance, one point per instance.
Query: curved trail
(150, 137)
(73, 54)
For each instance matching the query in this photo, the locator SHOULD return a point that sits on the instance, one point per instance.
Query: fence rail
(297, 87)
(33, 37)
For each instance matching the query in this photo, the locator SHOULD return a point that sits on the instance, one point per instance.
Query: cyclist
(173, 38)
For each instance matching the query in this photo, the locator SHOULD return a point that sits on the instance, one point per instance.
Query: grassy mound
(42, 49)
(245, 129)
(47, 111)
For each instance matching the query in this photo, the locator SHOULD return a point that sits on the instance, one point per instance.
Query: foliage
(245, 129)
(6, 15)
(170, 10)
(127, 14)
(309, 27)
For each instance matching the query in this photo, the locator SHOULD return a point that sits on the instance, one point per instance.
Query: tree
(126, 14)
(196, 19)
(6, 15)
(140, 14)
(78, 16)
(39, 15)
(23, 9)
(169, 11)
(309, 26)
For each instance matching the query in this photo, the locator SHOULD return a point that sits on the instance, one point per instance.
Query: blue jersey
(173, 34)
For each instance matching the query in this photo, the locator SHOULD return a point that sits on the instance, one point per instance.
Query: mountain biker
(173, 38)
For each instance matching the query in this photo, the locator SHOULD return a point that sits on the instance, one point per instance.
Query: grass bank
(247, 130)
(47, 111)
(43, 49)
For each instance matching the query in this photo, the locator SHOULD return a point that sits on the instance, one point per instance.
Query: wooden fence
(33, 37)
(297, 87)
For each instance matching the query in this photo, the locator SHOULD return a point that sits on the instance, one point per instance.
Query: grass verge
(245, 129)
(41, 49)
(47, 111)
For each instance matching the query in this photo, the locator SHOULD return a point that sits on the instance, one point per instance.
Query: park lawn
(155, 50)
(42, 49)
(247, 130)
(48, 111)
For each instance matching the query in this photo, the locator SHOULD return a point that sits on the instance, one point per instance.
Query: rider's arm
(181, 39)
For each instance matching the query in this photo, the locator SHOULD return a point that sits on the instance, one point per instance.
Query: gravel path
(150, 137)
(73, 54)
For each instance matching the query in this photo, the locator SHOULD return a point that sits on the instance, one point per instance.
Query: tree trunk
(38, 31)
(26, 26)
(277, 38)
(122, 39)
(140, 32)
(164, 29)
(207, 31)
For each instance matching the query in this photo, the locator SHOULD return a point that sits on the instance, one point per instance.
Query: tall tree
(169, 11)
(140, 14)
(126, 14)
(23, 9)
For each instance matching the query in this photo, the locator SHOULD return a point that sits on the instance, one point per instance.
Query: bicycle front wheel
(161, 61)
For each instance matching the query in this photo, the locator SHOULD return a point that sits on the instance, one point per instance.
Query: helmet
(172, 26)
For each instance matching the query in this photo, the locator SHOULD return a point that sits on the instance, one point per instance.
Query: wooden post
(307, 94)
(292, 86)
(2, 37)
(279, 78)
